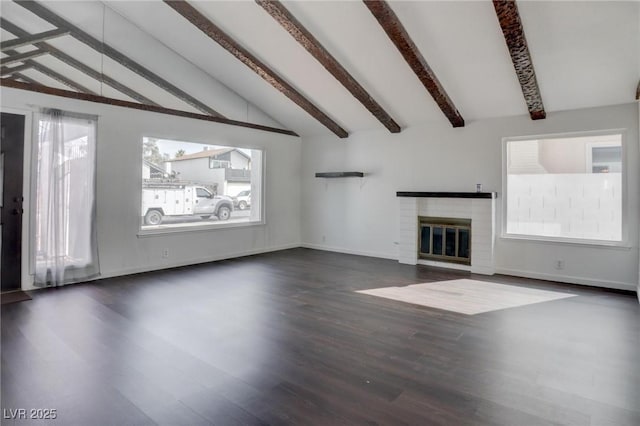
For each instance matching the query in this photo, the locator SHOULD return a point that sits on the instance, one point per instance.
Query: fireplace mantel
(490, 195)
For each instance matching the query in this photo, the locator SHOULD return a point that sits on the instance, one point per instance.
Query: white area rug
(466, 296)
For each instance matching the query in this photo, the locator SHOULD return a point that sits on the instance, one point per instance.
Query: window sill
(143, 233)
(615, 245)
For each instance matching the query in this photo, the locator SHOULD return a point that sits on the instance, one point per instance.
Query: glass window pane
(450, 242)
(606, 159)
(187, 184)
(425, 239)
(437, 240)
(463, 243)
(202, 193)
(568, 188)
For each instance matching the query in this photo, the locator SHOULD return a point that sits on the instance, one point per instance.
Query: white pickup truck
(171, 199)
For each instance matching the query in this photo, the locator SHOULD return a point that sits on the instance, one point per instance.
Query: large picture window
(565, 188)
(187, 185)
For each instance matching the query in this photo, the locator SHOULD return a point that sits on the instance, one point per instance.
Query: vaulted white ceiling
(585, 54)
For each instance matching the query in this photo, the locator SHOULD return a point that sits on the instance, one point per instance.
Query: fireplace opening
(444, 239)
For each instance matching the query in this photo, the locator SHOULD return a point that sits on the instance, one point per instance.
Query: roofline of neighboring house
(201, 154)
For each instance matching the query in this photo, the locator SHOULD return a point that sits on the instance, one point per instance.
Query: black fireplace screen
(445, 239)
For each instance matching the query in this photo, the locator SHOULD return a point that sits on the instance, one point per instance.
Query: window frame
(623, 243)
(143, 233)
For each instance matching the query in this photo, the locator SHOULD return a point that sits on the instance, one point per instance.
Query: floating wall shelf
(491, 195)
(339, 174)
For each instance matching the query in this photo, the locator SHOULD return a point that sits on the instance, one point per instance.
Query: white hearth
(479, 207)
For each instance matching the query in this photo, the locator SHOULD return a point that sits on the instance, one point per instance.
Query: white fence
(585, 206)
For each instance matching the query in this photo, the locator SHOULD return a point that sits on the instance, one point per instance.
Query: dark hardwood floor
(282, 338)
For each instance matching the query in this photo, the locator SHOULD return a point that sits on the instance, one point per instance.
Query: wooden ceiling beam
(511, 24)
(58, 54)
(51, 73)
(57, 21)
(243, 55)
(20, 57)
(303, 36)
(39, 88)
(399, 36)
(32, 39)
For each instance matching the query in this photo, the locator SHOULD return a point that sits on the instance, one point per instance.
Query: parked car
(169, 199)
(243, 200)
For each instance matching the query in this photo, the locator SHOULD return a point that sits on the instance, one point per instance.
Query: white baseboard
(505, 271)
(138, 270)
(207, 259)
(28, 286)
(349, 251)
(567, 279)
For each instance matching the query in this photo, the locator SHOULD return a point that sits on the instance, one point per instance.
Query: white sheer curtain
(64, 221)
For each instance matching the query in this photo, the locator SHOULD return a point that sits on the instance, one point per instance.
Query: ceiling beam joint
(21, 57)
(63, 57)
(48, 72)
(32, 39)
(23, 77)
(12, 70)
(102, 47)
(303, 36)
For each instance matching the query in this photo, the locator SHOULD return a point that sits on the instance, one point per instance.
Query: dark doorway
(12, 149)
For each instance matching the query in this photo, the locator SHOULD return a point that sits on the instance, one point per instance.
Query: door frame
(27, 276)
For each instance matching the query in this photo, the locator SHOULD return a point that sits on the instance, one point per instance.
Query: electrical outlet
(165, 253)
(559, 264)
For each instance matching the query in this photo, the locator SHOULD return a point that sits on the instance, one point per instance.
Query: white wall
(239, 161)
(120, 133)
(361, 215)
(196, 169)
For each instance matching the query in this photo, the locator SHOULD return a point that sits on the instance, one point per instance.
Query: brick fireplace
(478, 207)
